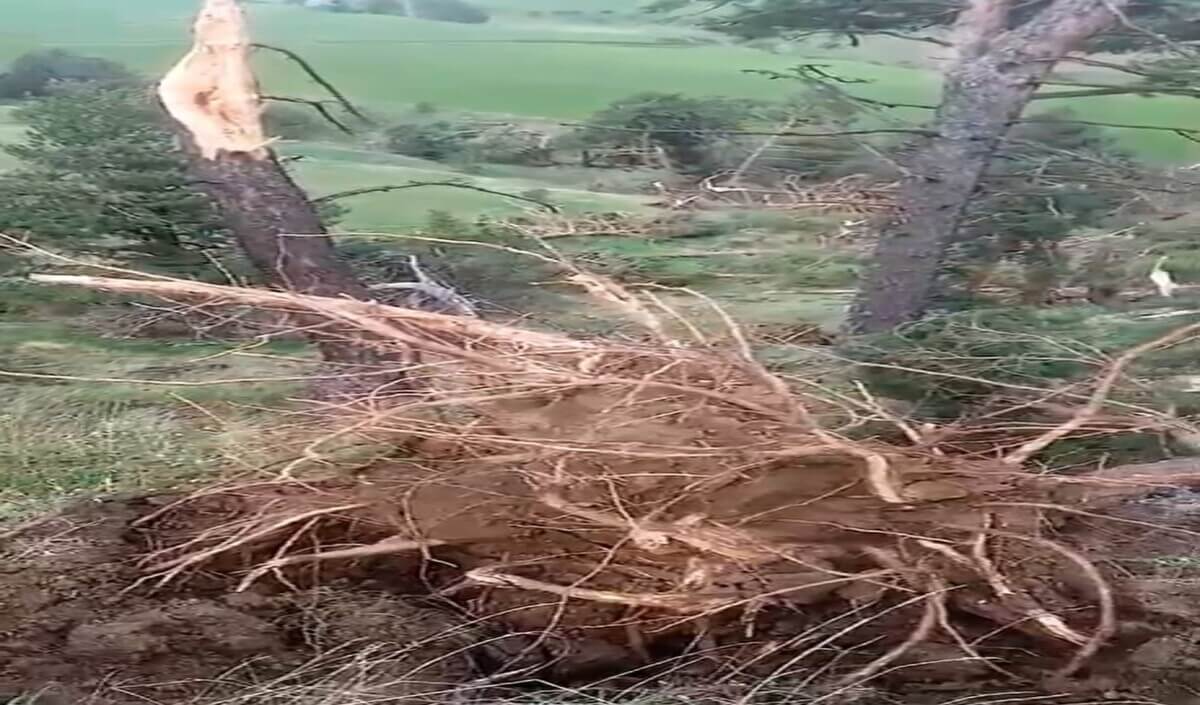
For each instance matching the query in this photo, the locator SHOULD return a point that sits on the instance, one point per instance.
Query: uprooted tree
(637, 493)
(1003, 53)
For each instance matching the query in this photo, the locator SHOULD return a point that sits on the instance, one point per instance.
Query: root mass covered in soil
(607, 505)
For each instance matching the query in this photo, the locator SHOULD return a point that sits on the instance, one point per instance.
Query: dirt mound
(72, 628)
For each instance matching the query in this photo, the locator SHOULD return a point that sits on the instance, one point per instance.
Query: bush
(690, 130)
(384, 7)
(450, 11)
(437, 140)
(437, 10)
(33, 74)
(510, 144)
(100, 171)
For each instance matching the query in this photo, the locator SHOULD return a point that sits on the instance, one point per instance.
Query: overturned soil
(75, 626)
(80, 620)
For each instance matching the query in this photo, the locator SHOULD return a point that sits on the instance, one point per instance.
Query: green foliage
(437, 10)
(955, 363)
(436, 140)
(753, 19)
(1052, 177)
(384, 7)
(981, 368)
(690, 130)
(426, 136)
(510, 144)
(450, 11)
(100, 171)
(35, 73)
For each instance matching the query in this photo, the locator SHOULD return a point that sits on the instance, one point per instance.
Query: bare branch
(1117, 90)
(767, 133)
(324, 83)
(317, 105)
(350, 193)
(1096, 63)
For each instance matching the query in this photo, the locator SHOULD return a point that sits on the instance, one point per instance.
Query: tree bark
(992, 78)
(212, 96)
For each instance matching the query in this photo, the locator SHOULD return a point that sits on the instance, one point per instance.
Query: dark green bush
(34, 74)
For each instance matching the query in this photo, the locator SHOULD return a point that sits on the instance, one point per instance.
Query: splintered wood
(212, 91)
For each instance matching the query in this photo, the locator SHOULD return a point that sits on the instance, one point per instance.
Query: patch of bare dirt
(75, 624)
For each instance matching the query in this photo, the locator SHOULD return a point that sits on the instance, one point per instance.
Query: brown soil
(72, 629)
(78, 619)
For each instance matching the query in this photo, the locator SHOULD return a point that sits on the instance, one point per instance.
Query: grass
(63, 438)
(10, 132)
(330, 168)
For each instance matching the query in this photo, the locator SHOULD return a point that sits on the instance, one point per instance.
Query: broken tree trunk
(996, 71)
(213, 98)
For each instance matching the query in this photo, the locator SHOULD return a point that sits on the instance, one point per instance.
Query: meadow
(526, 62)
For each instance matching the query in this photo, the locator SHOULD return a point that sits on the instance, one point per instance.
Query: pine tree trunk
(278, 229)
(275, 224)
(978, 106)
(986, 88)
(213, 99)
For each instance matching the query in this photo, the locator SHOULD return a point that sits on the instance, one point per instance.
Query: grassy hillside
(548, 66)
(329, 168)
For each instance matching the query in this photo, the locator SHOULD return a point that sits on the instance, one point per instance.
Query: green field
(546, 66)
(329, 168)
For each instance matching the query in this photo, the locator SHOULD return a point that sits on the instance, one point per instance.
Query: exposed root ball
(648, 493)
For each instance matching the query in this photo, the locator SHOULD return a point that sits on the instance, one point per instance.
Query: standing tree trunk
(213, 98)
(994, 75)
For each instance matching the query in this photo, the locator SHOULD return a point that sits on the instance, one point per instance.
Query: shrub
(437, 140)
(33, 74)
(450, 11)
(689, 130)
(100, 170)
(384, 7)
(510, 144)
(437, 10)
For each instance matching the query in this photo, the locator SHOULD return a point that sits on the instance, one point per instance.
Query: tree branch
(913, 38)
(1187, 132)
(350, 193)
(1060, 27)
(312, 73)
(317, 105)
(763, 133)
(1117, 90)
(1096, 63)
